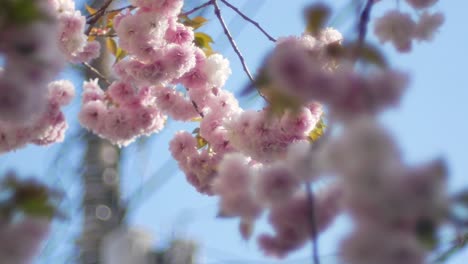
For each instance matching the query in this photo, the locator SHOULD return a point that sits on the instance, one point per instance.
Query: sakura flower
(396, 27)
(275, 184)
(366, 246)
(21, 240)
(420, 4)
(427, 25)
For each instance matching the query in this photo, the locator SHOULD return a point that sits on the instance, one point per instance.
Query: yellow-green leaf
(195, 23)
(316, 16)
(90, 10)
(21, 11)
(203, 40)
(318, 131)
(120, 54)
(201, 142)
(198, 21)
(111, 46)
(112, 14)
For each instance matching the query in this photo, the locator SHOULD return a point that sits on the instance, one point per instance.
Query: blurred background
(141, 186)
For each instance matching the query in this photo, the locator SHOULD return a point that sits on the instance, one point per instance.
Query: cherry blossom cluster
(46, 127)
(248, 165)
(71, 37)
(400, 29)
(161, 55)
(30, 102)
(384, 196)
(227, 128)
(302, 69)
(20, 240)
(27, 207)
(247, 188)
(32, 60)
(256, 161)
(121, 112)
(269, 159)
(252, 133)
(265, 138)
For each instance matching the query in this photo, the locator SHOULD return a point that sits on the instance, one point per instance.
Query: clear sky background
(430, 123)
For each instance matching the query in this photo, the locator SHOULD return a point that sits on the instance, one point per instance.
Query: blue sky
(430, 123)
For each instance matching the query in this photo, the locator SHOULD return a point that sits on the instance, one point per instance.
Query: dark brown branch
(245, 17)
(95, 71)
(364, 21)
(102, 35)
(195, 9)
(197, 109)
(231, 39)
(97, 16)
(111, 11)
(311, 197)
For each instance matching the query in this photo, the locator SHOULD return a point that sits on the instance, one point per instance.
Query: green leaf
(29, 197)
(426, 233)
(111, 15)
(90, 10)
(201, 142)
(120, 54)
(198, 22)
(23, 11)
(195, 23)
(111, 46)
(316, 16)
(318, 131)
(204, 41)
(37, 207)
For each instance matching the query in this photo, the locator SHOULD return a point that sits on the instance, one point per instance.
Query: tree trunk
(102, 207)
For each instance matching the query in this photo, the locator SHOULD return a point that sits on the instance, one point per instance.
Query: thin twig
(313, 223)
(195, 9)
(255, 23)
(95, 71)
(97, 16)
(113, 35)
(111, 11)
(231, 39)
(364, 21)
(197, 109)
(311, 197)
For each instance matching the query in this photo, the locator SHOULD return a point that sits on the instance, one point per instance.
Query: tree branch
(195, 9)
(313, 224)
(110, 11)
(95, 71)
(231, 39)
(245, 17)
(197, 109)
(97, 16)
(364, 21)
